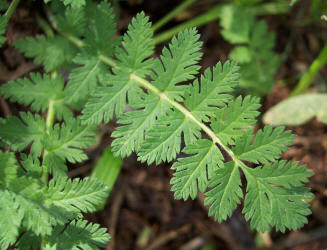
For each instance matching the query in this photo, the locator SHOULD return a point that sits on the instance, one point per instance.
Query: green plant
(37, 211)
(158, 123)
(254, 50)
(215, 126)
(311, 73)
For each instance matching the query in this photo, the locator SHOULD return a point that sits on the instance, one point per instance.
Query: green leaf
(111, 99)
(241, 54)
(73, 21)
(10, 220)
(237, 24)
(164, 113)
(268, 145)
(163, 141)
(212, 91)
(77, 195)
(298, 110)
(276, 197)
(19, 134)
(84, 78)
(255, 47)
(107, 168)
(8, 168)
(37, 215)
(138, 46)
(68, 140)
(233, 120)
(130, 135)
(29, 241)
(79, 234)
(52, 52)
(225, 193)
(39, 92)
(31, 165)
(194, 171)
(101, 28)
(185, 50)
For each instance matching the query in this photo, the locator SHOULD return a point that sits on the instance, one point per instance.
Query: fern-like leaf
(84, 78)
(276, 196)
(51, 52)
(10, 219)
(225, 193)
(183, 49)
(39, 92)
(268, 145)
(79, 234)
(212, 91)
(112, 99)
(163, 141)
(77, 195)
(254, 50)
(68, 140)
(194, 171)
(18, 134)
(231, 121)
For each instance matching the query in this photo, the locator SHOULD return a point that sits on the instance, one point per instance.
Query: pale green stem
(309, 76)
(44, 26)
(49, 123)
(108, 61)
(144, 83)
(271, 9)
(172, 14)
(50, 115)
(214, 14)
(11, 9)
(78, 42)
(194, 22)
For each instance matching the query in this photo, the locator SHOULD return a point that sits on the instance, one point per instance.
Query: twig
(168, 236)
(5, 107)
(114, 212)
(194, 244)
